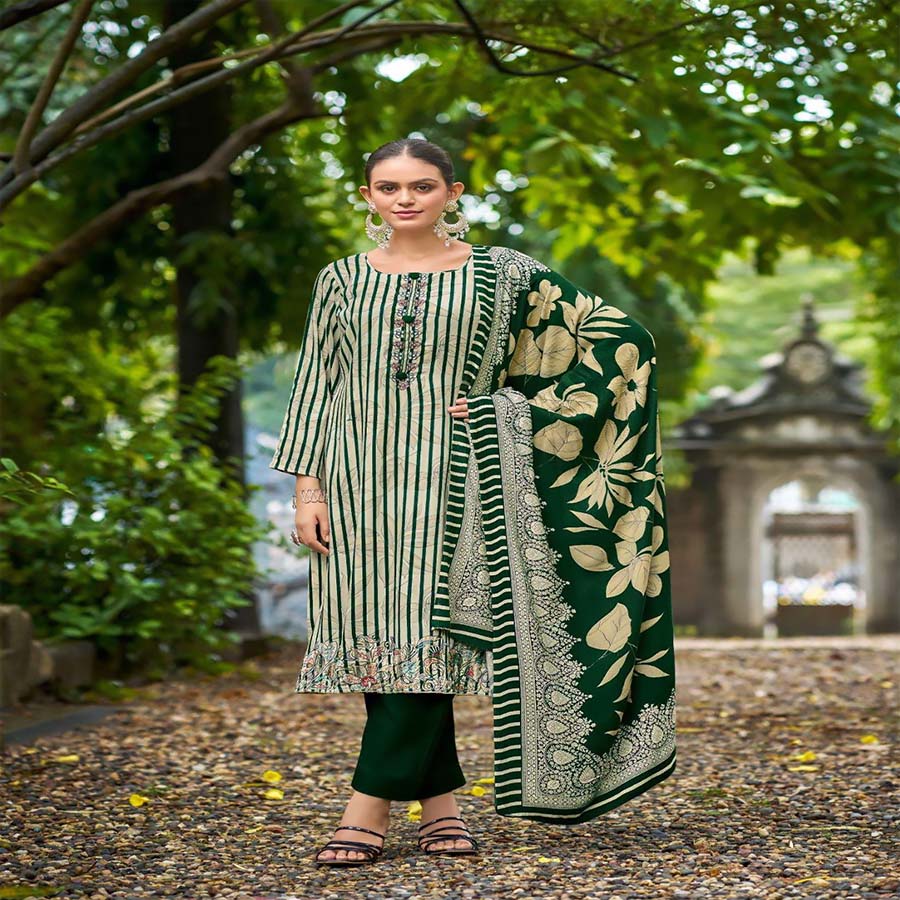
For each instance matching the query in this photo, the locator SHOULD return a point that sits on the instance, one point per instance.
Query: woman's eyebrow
(414, 181)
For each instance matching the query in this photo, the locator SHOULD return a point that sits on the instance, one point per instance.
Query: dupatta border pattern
(501, 590)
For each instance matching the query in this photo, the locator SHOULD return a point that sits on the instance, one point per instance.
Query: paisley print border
(435, 664)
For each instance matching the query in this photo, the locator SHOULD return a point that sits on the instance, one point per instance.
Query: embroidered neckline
(407, 330)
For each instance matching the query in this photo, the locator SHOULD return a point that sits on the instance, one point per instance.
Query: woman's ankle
(367, 805)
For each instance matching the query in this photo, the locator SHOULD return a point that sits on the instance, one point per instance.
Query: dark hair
(418, 148)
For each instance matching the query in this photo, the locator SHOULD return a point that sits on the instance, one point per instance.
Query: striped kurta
(381, 359)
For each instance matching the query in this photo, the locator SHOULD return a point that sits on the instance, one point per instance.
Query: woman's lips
(407, 214)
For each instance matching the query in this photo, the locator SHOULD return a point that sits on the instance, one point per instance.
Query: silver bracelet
(309, 495)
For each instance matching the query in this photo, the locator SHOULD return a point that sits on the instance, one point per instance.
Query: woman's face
(404, 183)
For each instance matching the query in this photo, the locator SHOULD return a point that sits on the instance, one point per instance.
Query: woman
(479, 475)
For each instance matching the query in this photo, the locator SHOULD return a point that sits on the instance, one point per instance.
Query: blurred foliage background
(701, 166)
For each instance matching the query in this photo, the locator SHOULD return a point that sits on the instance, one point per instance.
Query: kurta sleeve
(302, 438)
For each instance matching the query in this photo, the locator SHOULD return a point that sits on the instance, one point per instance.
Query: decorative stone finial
(810, 325)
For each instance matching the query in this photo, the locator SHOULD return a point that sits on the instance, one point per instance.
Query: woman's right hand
(308, 517)
(311, 518)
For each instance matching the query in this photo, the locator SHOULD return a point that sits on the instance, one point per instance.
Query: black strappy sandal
(372, 851)
(440, 834)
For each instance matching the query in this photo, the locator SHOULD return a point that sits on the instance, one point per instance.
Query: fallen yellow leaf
(414, 812)
(478, 791)
(546, 859)
(488, 780)
(252, 830)
(138, 799)
(869, 739)
(72, 757)
(271, 776)
(809, 756)
(803, 768)
(274, 794)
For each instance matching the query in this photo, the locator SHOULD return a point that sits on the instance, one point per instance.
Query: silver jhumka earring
(381, 234)
(447, 231)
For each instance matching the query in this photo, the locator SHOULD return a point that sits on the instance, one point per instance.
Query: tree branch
(63, 125)
(157, 107)
(74, 117)
(32, 120)
(258, 56)
(28, 9)
(214, 167)
(494, 60)
(370, 38)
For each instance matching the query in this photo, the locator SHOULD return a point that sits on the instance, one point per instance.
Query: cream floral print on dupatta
(555, 554)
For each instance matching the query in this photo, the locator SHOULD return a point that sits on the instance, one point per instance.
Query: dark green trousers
(408, 748)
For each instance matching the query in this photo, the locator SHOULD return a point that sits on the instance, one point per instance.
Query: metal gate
(815, 569)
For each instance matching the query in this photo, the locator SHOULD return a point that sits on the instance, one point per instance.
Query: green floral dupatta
(555, 553)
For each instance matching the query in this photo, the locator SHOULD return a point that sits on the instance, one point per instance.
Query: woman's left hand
(460, 409)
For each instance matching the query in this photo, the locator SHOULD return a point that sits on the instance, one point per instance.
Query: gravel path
(786, 786)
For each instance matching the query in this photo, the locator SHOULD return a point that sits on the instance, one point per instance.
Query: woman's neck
(415, 248)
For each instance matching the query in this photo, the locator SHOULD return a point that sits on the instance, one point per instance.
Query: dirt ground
(786, 786)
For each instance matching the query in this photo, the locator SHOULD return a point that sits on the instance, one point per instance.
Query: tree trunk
(197, 128)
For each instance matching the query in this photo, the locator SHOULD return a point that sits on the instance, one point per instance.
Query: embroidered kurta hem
(553, 551)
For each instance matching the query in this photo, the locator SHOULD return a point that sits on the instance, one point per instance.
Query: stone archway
(806, 417)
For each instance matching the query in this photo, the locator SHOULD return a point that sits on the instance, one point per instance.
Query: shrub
(152, 545)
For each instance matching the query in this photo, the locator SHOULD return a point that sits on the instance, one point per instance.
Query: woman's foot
(442, 805)
(366, 811)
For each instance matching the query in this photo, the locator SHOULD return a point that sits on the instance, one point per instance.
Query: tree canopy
(634, 143)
